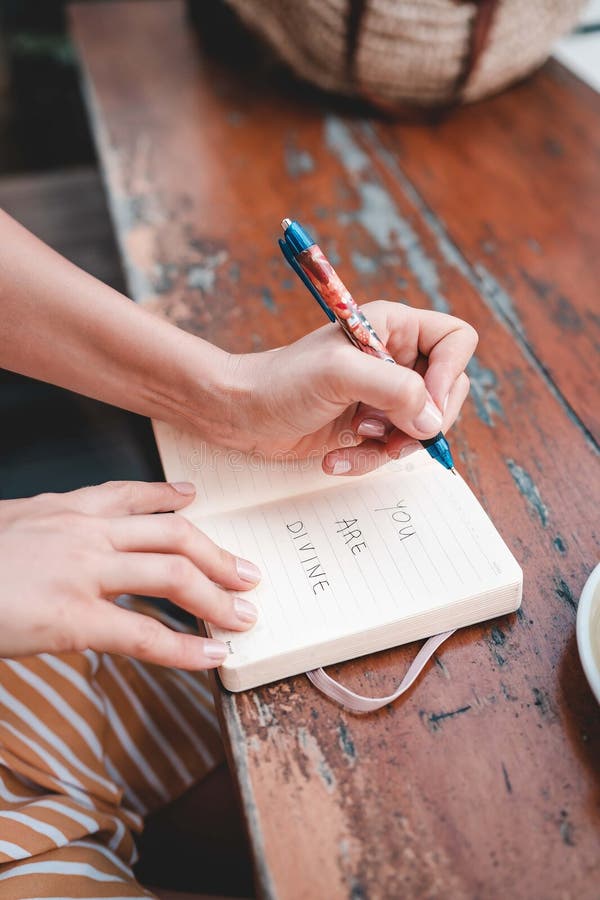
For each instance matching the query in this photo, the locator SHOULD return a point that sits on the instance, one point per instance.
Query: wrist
(190, 384)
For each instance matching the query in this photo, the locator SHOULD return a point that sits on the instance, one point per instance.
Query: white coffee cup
(588, 630)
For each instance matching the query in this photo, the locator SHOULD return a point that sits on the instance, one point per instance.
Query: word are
(309, 560)
(352, 535)
(402, 519)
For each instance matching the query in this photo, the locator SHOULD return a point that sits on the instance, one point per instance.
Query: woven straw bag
(410, 53)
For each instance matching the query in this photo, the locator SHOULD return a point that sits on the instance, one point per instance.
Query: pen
(311, 265)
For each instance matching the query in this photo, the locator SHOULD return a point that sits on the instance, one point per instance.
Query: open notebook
(350, 565)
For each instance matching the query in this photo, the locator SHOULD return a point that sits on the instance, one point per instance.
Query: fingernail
(215, 649)
(373, 428)
(445, 404)
(184, 487)
(407, 450)
(340, 466)
(429, 419)
(247, 571)
(244, 610)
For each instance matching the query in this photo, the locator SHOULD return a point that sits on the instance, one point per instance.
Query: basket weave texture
(412, 52)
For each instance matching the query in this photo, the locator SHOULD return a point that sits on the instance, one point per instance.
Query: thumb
(398, 392)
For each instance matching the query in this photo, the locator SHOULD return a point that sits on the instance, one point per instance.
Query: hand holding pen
(319, 276)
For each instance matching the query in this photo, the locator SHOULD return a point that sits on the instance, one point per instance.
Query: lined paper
(229, 479)
(447, 550)
(350, 565)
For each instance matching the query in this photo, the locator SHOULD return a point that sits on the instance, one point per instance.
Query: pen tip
(285, 224)
(453, 470)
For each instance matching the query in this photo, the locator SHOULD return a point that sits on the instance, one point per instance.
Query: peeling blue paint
(433, 720)
(267, 299)
(564, 592)
(379, 215)
(498, 299)
(297, 162)
(312, 749)
(164, 276)
(201, 278)
(332, 253)
(366, 265)
(340, 141)
(483, 392)
(201, 275)
(528, 489)
(560, 544)
(138, 283)
(346, 742)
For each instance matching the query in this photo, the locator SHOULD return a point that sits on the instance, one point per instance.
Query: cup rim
(590, 596)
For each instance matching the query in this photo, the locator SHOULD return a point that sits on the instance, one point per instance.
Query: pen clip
(291, 259)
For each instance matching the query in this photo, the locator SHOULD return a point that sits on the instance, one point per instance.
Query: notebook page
(229, 479)
(360, 555)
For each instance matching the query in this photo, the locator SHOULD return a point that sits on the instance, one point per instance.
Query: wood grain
(484, 782)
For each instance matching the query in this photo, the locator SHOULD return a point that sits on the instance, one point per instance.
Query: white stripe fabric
(135, 753)
(13, 851)
(88, 744)
(9, 796)
(55, 700)
(13, 704)
(77, 680)
(36, 825)
(168, 750)
(169, 706)
(140, 809)
(90, 824)
(59, 868)
(103, 851)
(46, 758)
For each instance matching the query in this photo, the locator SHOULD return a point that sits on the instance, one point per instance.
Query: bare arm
(63, 326)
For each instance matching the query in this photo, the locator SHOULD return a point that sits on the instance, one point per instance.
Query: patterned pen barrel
(312, 266)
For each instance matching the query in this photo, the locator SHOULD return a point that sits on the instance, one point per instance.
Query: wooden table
(484, 782)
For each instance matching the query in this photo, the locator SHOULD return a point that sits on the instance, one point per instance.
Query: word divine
(309, 560)
(402, 519)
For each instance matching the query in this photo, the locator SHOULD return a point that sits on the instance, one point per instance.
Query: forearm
(61, 325)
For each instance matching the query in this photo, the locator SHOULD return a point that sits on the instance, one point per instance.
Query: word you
(402, 519)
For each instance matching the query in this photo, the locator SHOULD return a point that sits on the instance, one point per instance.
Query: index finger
(114, 498)
(438, 345)
(448, 343)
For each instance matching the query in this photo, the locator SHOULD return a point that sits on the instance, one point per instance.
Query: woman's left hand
(321, 395)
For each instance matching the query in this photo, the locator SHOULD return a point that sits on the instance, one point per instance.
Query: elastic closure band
(360, 704)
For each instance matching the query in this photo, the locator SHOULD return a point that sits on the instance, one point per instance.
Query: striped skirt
(89, 745)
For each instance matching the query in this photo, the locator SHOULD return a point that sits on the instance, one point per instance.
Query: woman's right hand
(63, 557)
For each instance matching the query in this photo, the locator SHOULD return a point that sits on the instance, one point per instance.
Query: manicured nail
(373, 428)
(247, 571)
(244, 610)
(215, 649)
(429, 419)
(340, 466)
(184, 487)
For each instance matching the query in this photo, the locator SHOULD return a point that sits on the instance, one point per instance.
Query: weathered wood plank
(484, 781)
(517, 182)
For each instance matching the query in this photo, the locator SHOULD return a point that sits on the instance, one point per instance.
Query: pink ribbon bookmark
(360, 704)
